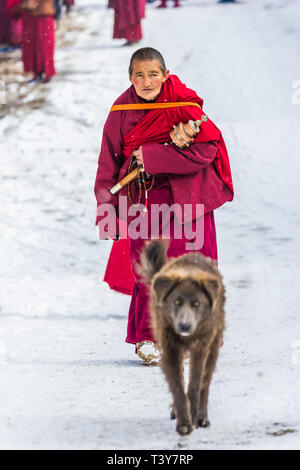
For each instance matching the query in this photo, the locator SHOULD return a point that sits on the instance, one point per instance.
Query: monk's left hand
(139, 155)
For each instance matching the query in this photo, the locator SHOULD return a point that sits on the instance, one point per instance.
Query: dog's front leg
(197, 368)
(172, 365)
(203, 420)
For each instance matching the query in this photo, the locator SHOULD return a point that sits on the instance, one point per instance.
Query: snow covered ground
(68, 379)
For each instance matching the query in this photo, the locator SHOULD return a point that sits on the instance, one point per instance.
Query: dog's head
(186, 301)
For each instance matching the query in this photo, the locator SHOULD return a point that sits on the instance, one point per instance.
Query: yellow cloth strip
(173, 104)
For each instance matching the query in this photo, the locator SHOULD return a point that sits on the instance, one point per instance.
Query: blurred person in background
(128, 16)
(163, 4)
(38, 42)
(10, 24)
(58, 4)
(4, 23)
(69, 4)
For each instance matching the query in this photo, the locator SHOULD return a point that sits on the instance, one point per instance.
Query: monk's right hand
(139, 155)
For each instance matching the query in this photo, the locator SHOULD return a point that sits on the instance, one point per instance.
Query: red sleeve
(160, 158)
(109, 162)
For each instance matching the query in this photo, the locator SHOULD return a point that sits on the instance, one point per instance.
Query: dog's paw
(203, 423)
(184, 428)
(172, 415)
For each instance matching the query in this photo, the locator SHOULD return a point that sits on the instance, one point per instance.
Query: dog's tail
(152, 258)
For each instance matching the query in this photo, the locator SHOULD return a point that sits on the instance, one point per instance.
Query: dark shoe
(130, 43)
(34, 80)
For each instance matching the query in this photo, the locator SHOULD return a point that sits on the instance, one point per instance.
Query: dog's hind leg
(203, 420)
(172, 366)
(197, 369)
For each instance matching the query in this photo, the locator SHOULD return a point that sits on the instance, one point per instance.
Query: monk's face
(147, 78)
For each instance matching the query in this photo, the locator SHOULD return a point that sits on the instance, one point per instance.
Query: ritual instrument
(184, 134)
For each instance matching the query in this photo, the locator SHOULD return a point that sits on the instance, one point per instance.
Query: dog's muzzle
(185, 329)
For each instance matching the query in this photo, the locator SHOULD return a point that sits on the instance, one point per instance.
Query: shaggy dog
(187, 310)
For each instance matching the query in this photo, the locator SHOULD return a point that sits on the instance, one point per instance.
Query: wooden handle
(133, 174)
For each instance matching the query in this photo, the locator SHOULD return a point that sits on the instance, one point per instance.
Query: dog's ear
(211, 288)
(152, 259)
(163, 285)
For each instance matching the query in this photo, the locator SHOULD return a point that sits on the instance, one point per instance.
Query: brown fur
(187, 309)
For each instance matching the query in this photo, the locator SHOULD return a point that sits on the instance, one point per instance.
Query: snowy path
(68, 380)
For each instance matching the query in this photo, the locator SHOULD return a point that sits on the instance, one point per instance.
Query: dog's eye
(178, 301)
(196, 303)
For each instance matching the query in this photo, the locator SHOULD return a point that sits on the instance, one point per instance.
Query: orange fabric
(175, 104)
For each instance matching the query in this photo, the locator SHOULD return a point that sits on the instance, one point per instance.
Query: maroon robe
(69, 3)
(182, 176)
(38, 44)
(128, 15)
(4, 23)
(16, 32)
(10, 24)
(139, 323)
(191, 174)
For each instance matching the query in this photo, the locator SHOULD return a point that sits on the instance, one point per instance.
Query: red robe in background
(38, 45)
(4, 23)
(38, 41)
(10, 24)
(198, 174)
(69, 3)
(128, 15)
(16, 26)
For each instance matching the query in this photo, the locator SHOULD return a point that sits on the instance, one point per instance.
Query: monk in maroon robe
(127, 23)
(69, 4)
(38, 42)
(199, 174)
(163, 4)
